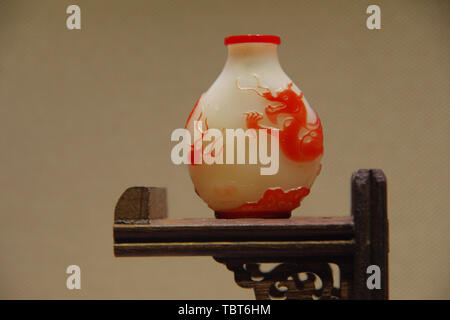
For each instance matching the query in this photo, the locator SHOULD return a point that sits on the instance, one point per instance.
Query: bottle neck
(249, 55)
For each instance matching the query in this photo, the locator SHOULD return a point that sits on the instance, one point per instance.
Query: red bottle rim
(247, 38)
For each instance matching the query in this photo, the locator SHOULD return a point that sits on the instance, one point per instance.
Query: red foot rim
(261, 38)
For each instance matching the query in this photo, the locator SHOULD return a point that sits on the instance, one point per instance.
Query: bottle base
(244, 215)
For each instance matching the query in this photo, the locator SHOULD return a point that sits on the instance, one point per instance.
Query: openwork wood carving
(305, 279)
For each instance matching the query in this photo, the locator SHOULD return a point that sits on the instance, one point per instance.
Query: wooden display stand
(316, 258)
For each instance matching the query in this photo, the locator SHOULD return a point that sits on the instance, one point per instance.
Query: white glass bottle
(253, 92)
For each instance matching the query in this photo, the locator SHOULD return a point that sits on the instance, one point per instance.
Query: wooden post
(369, 210)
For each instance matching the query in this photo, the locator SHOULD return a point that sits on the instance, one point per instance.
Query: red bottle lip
(247, 38)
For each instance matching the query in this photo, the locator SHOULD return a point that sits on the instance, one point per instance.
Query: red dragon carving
(300, 141)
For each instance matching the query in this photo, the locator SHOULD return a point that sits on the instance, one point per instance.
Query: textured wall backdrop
(84, 114)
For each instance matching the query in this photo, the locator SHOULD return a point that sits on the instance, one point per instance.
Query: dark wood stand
(314, 258)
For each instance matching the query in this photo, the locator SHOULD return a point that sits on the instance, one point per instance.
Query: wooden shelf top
(211, 229)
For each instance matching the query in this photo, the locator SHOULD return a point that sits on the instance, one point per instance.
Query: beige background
(84, 114)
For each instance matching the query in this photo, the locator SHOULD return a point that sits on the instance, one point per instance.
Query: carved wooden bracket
(301, 279)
